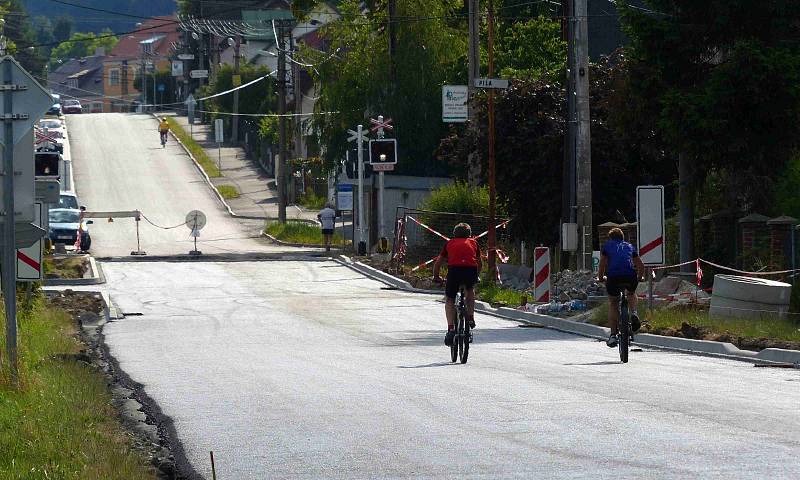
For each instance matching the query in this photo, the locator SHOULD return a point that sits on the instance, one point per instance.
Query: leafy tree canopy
(82, 45)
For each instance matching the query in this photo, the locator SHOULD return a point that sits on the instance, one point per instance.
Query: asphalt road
(308, 370)
(119, 165)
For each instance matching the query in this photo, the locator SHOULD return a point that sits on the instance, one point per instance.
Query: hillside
(91, 21)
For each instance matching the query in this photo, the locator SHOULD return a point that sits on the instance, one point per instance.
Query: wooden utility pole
(583, 144)
(492, 234)
(280, 178)
(237, 81)
(474, 159)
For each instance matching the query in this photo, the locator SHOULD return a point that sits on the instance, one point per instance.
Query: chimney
(100, 52)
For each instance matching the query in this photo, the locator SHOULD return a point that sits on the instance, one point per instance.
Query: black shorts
(614, 285)
(457, 276)
(327, 231)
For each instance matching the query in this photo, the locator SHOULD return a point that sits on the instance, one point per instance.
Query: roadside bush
(458, 197)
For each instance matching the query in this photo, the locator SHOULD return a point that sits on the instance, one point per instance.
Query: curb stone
(683, 345)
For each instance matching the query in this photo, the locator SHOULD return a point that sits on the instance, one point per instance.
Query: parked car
(64, 224)
(55, 109)
(68, 200)
(71, 106)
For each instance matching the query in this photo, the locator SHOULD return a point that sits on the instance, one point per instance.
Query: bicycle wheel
(460, 334)
(454, 345)
(465, 342)
(624, 331)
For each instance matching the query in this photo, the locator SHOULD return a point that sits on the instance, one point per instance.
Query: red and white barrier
(541, 277)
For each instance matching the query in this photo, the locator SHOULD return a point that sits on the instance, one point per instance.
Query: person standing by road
(620, 261)
(327, 219)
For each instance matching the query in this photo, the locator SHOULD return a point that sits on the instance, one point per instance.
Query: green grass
(228, 191)
(199, 154)
(69, 267)
(299, 232)
(59, 422)
(313, 202)
(663, 320)
(497, 295)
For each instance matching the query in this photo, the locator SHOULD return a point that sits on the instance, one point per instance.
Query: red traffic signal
(383, 151)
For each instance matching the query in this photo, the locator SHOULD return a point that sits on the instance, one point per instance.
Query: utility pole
(583, 144)
(123, 84)
(9, 265)
(280, 178)
(492, 234)
(237, 82)
(569, 211)
(392, 4)
(473, 160)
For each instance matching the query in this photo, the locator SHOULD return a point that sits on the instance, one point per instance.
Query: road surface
(119, 165)
(308, 370)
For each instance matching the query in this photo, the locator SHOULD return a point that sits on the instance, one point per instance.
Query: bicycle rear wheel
(465, 342)
(624, 331)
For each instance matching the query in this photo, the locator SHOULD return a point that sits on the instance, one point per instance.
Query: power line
(94, 9)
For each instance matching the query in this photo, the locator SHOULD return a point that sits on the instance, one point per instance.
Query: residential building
(81, 79)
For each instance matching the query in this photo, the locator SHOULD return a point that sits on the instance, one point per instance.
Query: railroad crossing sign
(354, 136)
(380, 124)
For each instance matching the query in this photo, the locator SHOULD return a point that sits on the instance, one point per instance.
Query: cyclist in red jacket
(463, 257)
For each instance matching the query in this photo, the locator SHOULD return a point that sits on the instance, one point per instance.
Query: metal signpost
(195, 220)
(24, 102)
(358, 137)
(378, 126)
(218, 137)
(190, 104)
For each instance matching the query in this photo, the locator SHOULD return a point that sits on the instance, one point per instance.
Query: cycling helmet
(462, 230)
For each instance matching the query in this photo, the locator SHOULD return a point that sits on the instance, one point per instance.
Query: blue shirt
(620, 258)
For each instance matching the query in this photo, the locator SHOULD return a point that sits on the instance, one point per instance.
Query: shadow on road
(429, 365)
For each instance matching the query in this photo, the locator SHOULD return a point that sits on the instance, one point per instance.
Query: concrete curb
(95, 278)
(214, 188)
(683, 345)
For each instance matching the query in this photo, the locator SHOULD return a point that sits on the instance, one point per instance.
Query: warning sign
(650, 224)
(29, 260)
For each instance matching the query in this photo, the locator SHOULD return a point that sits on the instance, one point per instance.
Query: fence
(419, 235)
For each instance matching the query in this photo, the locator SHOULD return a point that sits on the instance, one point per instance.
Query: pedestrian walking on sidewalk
(327, 219)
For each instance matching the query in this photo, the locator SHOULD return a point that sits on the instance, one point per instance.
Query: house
(148, 48)
(82, 79)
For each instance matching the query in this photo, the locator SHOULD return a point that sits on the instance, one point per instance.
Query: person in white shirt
(327, 218)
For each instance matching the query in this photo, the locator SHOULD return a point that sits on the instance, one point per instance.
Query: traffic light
(383, 151)
(46, 164)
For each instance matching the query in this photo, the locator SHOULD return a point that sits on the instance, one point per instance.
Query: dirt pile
(75, 303)
(699, 332)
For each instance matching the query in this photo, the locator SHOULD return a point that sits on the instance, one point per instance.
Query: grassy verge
(497, 295)
(228, 191)
(312, 201)
(72, 267)
(59, 423)
(694, 323)
(199, 154)
(299, 232)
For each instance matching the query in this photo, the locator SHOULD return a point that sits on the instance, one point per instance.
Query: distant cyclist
(163, 129)
(620, 261)
(463, 257)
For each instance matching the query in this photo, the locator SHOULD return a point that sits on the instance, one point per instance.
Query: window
(113, 76)
(72, 82)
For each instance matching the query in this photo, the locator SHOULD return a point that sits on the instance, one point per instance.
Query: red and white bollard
(541, 274)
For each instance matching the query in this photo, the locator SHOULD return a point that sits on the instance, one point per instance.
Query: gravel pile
(568, 285)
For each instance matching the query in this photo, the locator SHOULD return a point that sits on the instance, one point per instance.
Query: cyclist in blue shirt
(620, 262)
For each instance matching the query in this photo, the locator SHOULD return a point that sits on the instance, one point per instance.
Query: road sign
(29, 259)
(454, 103)
(186, 56)
(23, 178)
(218, 132)
(161, 87)
(491, 83)
(344, 196)
(177, 68)
(650, 224)
(199, 74)
(382, 152)
(380, 124)
(385, 167)
(354, 136)
(47, 190)
(190, 104)
(31, 101)
(195, 220)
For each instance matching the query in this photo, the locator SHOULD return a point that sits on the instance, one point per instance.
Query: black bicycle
(624, 326)
(463, 337)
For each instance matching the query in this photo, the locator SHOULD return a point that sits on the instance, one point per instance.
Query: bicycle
(463, 337)
(163, 139)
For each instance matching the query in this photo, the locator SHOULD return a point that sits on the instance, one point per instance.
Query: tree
(530, 49)
(81, 45)
(18, 29)
(356, 82)
(717, 83)
(62, 28)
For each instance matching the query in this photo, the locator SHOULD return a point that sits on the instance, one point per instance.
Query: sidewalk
(258, 198)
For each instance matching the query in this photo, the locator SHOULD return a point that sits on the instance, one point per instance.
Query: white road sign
(218, 131)
(29, 259)
(199, 74)
(344, 196)
(186, 56)
(177, 68)
(491, 83)
(354, 136)
(454, 103)
(650, 224)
